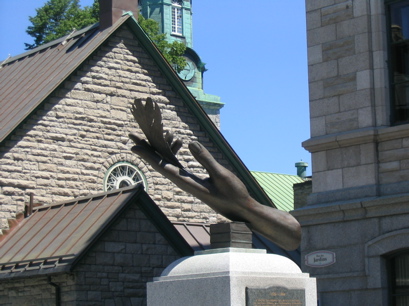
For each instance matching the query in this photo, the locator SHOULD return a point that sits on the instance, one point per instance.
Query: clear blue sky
(256, 57)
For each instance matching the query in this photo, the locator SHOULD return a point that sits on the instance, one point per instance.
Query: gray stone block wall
(362, 234)
(301, 193)
(394, 159)
(340, 73)
(349, 101)
(337, 62)
(37, 291)
(360, 179)
(64, 148)
(116, 269)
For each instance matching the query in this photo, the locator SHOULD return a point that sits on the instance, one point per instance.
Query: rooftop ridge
(274, 173)
(88, 197)
(50, 44)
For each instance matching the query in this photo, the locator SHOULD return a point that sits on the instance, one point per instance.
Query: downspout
(30, 206)
(57, 291)
(372, 13)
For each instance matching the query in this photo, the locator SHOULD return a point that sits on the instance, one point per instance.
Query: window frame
(397, 117)
(113, 185)
(395, 290)
(177, 17)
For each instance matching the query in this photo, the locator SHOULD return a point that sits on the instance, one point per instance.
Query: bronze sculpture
(222, 190)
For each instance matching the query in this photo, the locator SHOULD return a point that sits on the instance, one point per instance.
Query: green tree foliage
(171, 51)
(58, 18)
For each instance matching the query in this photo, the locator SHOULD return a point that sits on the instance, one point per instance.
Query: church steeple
(175, 20)
(173, 16)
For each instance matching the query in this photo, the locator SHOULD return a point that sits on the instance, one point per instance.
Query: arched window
(399, 276)
(123, 174)
(177, 27)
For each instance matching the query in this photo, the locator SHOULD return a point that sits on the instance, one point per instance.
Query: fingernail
(195, 147)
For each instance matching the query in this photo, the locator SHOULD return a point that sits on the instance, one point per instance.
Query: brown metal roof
(196, 235)
(26, 80)
(55, 235)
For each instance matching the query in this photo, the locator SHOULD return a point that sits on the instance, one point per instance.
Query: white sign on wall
(319, 259)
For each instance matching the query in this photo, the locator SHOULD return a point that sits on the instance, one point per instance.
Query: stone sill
(353, 210)
(336, 276)
(356, 137)
(394, 132)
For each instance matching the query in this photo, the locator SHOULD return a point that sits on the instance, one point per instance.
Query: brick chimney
(111, 10)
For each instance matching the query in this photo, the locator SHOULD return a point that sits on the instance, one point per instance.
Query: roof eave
(153, 213)
(107, 32)
(47, 45)
(139, 198)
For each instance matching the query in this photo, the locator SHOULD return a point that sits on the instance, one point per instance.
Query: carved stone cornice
(356, 137)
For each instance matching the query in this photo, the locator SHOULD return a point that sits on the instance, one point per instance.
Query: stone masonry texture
(65, 147)
(37, 291)
(113, 272)
(347, 47)
(358, 208)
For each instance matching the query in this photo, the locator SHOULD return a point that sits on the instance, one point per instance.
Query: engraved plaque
(276, 296)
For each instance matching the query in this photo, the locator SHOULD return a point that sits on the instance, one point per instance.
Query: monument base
(232, 276)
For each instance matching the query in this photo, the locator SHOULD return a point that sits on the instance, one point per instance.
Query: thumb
(203, 156)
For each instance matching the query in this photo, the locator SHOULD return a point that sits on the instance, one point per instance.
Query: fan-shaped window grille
(122, 175)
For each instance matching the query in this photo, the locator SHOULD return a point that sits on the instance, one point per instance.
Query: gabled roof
(279, 187)
(55, 237)
(27, 80)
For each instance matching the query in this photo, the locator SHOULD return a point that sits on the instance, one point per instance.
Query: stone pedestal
(232, 276)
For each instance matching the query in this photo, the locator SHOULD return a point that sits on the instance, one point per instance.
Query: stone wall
(115, 271)
(301, 193)
(362, 234)
(358, 207)
(394, 160)
(343, 77)
(64, 148)
(355, 151)
(37, 290)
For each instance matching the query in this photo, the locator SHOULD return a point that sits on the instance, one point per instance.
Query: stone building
(66, 117)
(355, 225)
(98, 250)
(64, 139)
